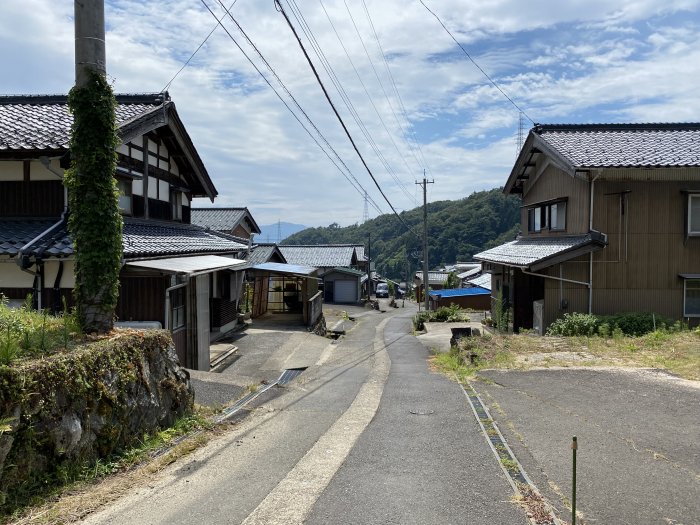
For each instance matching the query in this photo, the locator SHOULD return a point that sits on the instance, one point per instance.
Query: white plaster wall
(137, 187)
(12, 277)
(152, 188)
(39, 172)
(11, 170)
(152, 146)
(123, 149)
(51, 270)
(164, 191)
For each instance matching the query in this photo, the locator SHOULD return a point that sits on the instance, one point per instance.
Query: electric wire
(335, 111)
(187, 62)
(376, 110)
(341, 91)
(414, 144)
(303, 112)
(282, 100)
(493, 82)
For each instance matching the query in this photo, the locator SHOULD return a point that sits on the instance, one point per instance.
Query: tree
(94, 222)
(452, 281)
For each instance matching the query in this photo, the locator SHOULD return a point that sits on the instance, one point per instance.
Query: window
(694, 214)
(691, 298)
(549, 216)
(176, 203)
(177, 308)
(124, 188)
(557, 216)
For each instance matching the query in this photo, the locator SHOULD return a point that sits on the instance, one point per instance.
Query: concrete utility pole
(90, 52)
(425, 238)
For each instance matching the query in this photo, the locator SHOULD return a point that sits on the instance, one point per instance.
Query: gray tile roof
(222, 219)
(43, 122)
(483, 281)
(142, 238)
(322, 256)
(433, 277)
(16, 233)
(624, 145)
(526, 251)
(262, 253)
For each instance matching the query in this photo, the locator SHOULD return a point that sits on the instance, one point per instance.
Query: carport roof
(189, 265)
(291, 269)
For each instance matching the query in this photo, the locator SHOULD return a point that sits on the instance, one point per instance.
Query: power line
(303, 112)
(357, 73)
(296, 11)
(289, 108)
(477, 65)
(411, 145)
(328, 98)
(187, 62)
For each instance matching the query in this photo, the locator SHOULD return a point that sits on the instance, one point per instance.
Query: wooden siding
(31, 199)
(180, 341)
(160, 210)
(223, 311)
(142, 298)
(552, 184)
(475, 302)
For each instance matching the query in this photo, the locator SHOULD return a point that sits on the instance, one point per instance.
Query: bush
(575, 324)
(444, 314)
(618, 325)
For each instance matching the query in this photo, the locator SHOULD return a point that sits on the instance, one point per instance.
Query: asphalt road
(638, 456)
(366, 435)
(423, 459)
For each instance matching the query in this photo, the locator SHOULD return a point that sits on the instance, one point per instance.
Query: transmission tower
(521, 133)
(365, 214)
(279, 231)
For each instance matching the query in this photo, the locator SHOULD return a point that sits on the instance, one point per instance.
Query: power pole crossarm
(424, 184)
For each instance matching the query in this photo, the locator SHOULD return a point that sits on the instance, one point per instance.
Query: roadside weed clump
(444, 314)
(25, 332)
(618, 325)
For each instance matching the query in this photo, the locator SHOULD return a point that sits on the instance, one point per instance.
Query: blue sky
(561, 62)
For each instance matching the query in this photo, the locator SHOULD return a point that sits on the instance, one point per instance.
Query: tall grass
(25, 332)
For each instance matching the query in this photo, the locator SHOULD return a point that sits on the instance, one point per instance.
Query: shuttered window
(694, 214)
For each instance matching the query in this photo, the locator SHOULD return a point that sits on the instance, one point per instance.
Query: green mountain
(456, 231)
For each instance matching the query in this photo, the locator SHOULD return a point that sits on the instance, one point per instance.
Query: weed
(510, 464)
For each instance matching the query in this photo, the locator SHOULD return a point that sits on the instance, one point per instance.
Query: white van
(382, 290)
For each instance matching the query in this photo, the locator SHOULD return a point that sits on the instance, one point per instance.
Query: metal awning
(286, 269)
(190, 265)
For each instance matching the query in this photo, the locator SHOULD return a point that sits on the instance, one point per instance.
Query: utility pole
(89, 40)
(424, 184)
(369, 266)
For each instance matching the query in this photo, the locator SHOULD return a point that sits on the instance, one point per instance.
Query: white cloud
(613, 60)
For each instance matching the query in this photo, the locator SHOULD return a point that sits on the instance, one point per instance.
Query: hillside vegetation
(456, 231)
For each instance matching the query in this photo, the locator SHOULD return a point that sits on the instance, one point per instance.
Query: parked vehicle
(382, 290)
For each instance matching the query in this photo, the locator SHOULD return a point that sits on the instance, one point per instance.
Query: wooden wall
(31, 199)
(141, 298)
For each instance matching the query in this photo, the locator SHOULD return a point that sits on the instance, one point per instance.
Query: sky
(410, 98)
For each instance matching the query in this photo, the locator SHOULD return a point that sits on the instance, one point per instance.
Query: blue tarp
(459, 292)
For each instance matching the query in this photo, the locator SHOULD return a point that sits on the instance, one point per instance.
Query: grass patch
(677, 352)
(27, 333)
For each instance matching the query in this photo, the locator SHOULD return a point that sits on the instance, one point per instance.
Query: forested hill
(456, 231)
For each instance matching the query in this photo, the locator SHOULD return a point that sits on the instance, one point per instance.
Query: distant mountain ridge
(456, 231)
(278, 231)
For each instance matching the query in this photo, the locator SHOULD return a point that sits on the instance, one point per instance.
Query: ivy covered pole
(94, 221)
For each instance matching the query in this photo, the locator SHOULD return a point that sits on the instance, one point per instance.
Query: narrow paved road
(369, 435)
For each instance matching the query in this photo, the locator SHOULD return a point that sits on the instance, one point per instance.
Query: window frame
(542, 213)
(691, 197)
(696, 286)
(178, 308)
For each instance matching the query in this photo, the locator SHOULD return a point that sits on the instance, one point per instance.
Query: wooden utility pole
(424, 184)
(369, 266)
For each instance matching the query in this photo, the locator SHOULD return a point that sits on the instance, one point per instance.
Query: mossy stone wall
(72, 408)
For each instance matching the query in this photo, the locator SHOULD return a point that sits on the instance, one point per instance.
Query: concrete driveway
(638, 433)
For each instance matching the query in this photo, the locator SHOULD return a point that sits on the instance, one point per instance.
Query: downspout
(590, 255)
